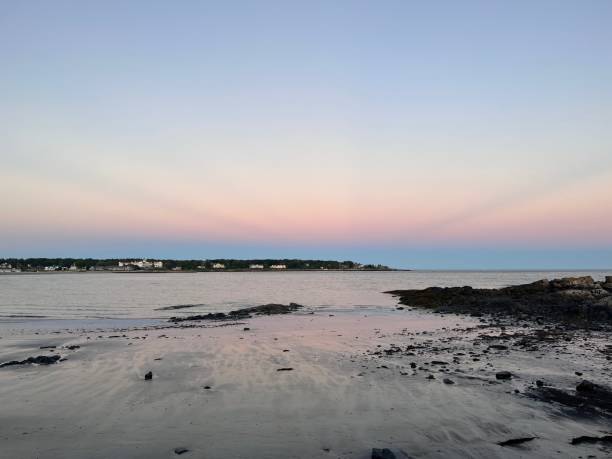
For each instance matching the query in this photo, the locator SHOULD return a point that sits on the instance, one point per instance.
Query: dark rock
(503, 375)
(149, 376)
(180, 451)
(499, 347)
(448, 381)
(245, 313)
(246, 329)
(588, 439)
(573, 282)
(47, 347)
(592, 398)
(516, 441)
(539, 383)
(413, 365)
(579, 301)
(384, 453)
(179, 306)
(285, 369)
(40, 360)
(586, 386)
(73, 347)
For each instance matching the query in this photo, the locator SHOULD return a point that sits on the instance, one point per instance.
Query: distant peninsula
(8, 265)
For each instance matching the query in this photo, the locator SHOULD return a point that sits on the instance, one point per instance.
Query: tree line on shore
(35, 264)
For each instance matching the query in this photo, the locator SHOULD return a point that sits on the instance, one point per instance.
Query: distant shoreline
(191, 271)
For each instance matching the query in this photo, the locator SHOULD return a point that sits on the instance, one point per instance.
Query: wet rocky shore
(523, 371)
(579, 301)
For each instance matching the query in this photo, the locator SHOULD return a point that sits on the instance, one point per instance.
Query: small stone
(180, 451)
(149, 376)
(448, 381)
(499, 347)
(246, 329)
(503, 375)
(384, 453)
(586, 386)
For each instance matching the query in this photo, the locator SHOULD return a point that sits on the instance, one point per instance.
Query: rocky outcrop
(40, 360)
(245, 313)
(589, 398)
(577, 300)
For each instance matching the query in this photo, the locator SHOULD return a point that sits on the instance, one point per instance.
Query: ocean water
(35, 298)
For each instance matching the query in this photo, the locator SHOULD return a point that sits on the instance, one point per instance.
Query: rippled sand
(338, 401)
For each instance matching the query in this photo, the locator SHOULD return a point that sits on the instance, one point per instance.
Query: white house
(256, 267)
(278, 267)
(142, 264)
(218, 266)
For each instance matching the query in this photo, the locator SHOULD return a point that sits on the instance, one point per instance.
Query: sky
(439, 134)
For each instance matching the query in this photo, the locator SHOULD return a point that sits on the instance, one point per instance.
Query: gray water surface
(135, 296)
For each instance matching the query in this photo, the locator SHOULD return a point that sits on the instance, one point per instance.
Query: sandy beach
(308, 384)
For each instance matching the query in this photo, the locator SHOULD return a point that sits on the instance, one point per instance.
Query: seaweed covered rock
(579, 300)
(245, 313)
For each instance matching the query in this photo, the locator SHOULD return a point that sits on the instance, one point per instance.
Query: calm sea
(35, 298)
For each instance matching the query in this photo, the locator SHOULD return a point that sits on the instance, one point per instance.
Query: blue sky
(419, 134)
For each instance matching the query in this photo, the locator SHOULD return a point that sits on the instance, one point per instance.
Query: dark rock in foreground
(40, 360)
(589, 398)
(246, 313)
(149, 376)
(588, 439)
(386, 453)
(503, 375)
(516, 441)
(579, 300)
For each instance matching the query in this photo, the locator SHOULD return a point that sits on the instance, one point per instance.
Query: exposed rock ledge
(265, 309)
(577, 300)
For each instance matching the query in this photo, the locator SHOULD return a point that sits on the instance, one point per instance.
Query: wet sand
(217, 392)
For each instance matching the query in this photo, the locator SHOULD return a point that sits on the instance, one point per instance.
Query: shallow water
(27, 298)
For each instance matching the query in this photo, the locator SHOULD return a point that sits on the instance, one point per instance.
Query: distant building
(256, 266)
(218, 266)
(73, 267)
(177, 268)
(142, 264)
(8, 268)
(278, 267)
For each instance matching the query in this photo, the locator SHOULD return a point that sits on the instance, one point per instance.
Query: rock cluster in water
(245, 313)
(578, 300)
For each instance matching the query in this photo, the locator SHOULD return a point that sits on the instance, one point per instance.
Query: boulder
(503, 375)
(584, 282)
